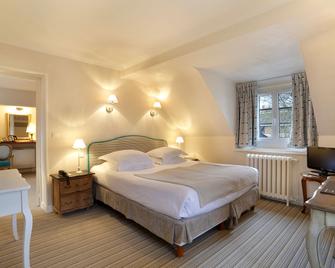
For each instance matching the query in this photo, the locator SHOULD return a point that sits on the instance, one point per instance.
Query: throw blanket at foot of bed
(210, 181)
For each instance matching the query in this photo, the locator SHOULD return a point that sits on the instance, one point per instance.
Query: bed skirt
(174, 231)
(243, 203)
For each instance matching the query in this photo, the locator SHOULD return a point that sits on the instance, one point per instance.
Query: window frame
(275, 141)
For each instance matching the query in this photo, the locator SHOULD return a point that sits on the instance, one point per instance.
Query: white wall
(77, 93)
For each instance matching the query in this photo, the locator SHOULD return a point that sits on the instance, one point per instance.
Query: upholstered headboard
(135, 142)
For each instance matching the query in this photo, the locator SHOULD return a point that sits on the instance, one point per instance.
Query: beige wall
(77, 93)
(76, 96)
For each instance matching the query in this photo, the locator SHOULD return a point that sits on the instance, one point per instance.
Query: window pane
(265, 102)
(285, 102)
(265, 116)
(285, 115)
(285, 130)
(265, 131)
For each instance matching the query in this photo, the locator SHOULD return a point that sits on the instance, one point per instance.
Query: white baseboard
(46, 208)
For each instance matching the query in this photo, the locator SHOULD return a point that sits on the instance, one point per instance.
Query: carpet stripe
(272, 236)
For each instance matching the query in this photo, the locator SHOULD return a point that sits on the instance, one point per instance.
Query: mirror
(17, 125)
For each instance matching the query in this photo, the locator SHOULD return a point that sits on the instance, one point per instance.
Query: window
(274, 117)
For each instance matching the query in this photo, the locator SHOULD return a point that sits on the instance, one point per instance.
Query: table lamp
(31, 130)
(179, 140)
(79, 144)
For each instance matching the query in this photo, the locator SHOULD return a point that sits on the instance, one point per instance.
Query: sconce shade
(31, 128)
(157, 105)
(113, 99)
(79, 144)
(179, 140)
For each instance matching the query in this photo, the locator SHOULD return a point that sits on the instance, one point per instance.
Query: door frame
(42, 181)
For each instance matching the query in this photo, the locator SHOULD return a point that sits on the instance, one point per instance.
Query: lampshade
(31, 128)
(179, 140)
(79, 144)
(157, 105)
(112, 99)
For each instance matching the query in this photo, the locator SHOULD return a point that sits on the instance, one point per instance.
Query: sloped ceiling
(319, 55)
(185, 97)
(118, 33)
(262, 47)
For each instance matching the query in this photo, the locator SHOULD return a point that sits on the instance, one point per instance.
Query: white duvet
(174, 200)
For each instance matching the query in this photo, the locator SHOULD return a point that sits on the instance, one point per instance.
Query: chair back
(5, 151)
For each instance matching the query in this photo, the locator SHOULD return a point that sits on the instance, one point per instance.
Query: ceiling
(261, 47)
(119, 33)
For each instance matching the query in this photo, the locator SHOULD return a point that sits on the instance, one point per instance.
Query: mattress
(174, 200)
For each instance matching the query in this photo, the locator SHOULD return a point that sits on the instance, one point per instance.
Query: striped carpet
(272, 236)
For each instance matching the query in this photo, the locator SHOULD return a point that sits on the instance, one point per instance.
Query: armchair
(6, 156)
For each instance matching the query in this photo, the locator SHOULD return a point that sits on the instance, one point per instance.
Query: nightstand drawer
(85, 199)
(76, 185)
(69, 202)
(76, 201)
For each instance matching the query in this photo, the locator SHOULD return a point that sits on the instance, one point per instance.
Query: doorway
(31, 148)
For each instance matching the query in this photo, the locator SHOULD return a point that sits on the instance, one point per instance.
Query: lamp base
(79, 171)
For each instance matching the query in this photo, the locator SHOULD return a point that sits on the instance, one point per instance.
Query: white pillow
(166, 152)
(168, 160)
(128, 160)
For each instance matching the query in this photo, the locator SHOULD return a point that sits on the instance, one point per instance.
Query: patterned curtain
(246, 102)
(304, 130)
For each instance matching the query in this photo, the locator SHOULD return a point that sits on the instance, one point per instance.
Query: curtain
(304, 130)
(245, 126)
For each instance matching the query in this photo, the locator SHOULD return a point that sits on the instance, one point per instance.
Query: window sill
(286, 151)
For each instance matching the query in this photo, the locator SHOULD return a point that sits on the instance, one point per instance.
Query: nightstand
(72, 193)
(191, 158)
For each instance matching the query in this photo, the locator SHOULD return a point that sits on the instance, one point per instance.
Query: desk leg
(28, 224)
(317, 223)
(14, 227)
(304, 193)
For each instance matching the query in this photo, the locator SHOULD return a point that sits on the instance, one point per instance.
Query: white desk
(322, 217)
(13, 200)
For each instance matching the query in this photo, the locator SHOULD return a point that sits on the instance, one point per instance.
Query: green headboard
(135, 142)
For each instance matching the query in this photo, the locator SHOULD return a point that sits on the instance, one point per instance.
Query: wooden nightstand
(72, 193)
(191, 158)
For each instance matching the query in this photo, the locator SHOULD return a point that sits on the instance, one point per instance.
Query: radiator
(275, 173)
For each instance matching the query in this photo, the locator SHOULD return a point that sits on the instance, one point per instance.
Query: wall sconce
(157, 105)
(112, 99)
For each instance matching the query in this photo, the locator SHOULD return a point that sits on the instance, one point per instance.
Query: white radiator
(275, 173)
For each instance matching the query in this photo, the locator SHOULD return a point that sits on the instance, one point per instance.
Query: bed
(170, 211)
